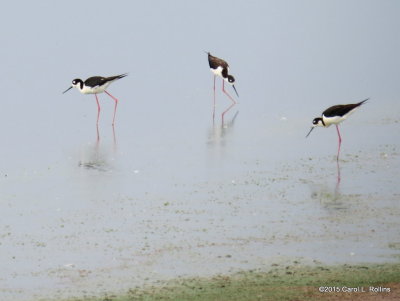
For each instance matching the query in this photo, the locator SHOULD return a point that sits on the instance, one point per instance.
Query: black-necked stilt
(221, 68)
(335, 115)
(95, 85)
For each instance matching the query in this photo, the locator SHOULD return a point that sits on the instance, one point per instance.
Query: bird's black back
(99, 80)
(341, 110)
(216, 62)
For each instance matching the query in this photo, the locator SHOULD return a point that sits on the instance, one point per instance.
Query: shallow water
(168, 192)
(214, 204)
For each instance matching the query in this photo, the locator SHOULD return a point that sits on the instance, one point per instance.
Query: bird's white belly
(94, 90)
(333, 120)
(336, 119)
(217, 71)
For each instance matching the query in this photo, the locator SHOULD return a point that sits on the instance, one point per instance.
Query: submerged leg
(115, 106)
(214, 100)
(340, 142)
(98, 136)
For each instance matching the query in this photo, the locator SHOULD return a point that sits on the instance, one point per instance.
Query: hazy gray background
(67, 200)
(291, 59)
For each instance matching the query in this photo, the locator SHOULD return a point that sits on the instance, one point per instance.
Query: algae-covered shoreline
(288, 281)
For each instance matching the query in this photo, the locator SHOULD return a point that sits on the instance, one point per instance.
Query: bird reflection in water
(328, 199)
(218, 134)
(94, 157)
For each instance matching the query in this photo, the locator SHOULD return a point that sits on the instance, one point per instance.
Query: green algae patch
(281, 282)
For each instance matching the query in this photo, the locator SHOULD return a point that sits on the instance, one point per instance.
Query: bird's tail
(112, 78)
(361, 102)
(122, 75)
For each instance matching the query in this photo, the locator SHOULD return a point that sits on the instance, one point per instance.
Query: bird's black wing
(99, 80)
(95, 81)
(341, 110)
(111, 78)
(216, 62)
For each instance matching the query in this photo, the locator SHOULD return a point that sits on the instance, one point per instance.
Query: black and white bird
(335, 115)
(219, 67)
(95, 85)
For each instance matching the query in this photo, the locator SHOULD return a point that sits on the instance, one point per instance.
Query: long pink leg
(223, 90)
(230, 97)
(340, 141)
(214, 100)
(98, 109)
(115, 106)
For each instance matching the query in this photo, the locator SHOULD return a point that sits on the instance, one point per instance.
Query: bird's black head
(76, 82)
(318, 122)
(231, 79)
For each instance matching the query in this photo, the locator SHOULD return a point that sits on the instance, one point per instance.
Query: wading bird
(219, 67)
(335, 115)
(95, 85)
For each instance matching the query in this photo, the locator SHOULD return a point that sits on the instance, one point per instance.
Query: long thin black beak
(235, 90)
(310, 132)
(68, 89)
